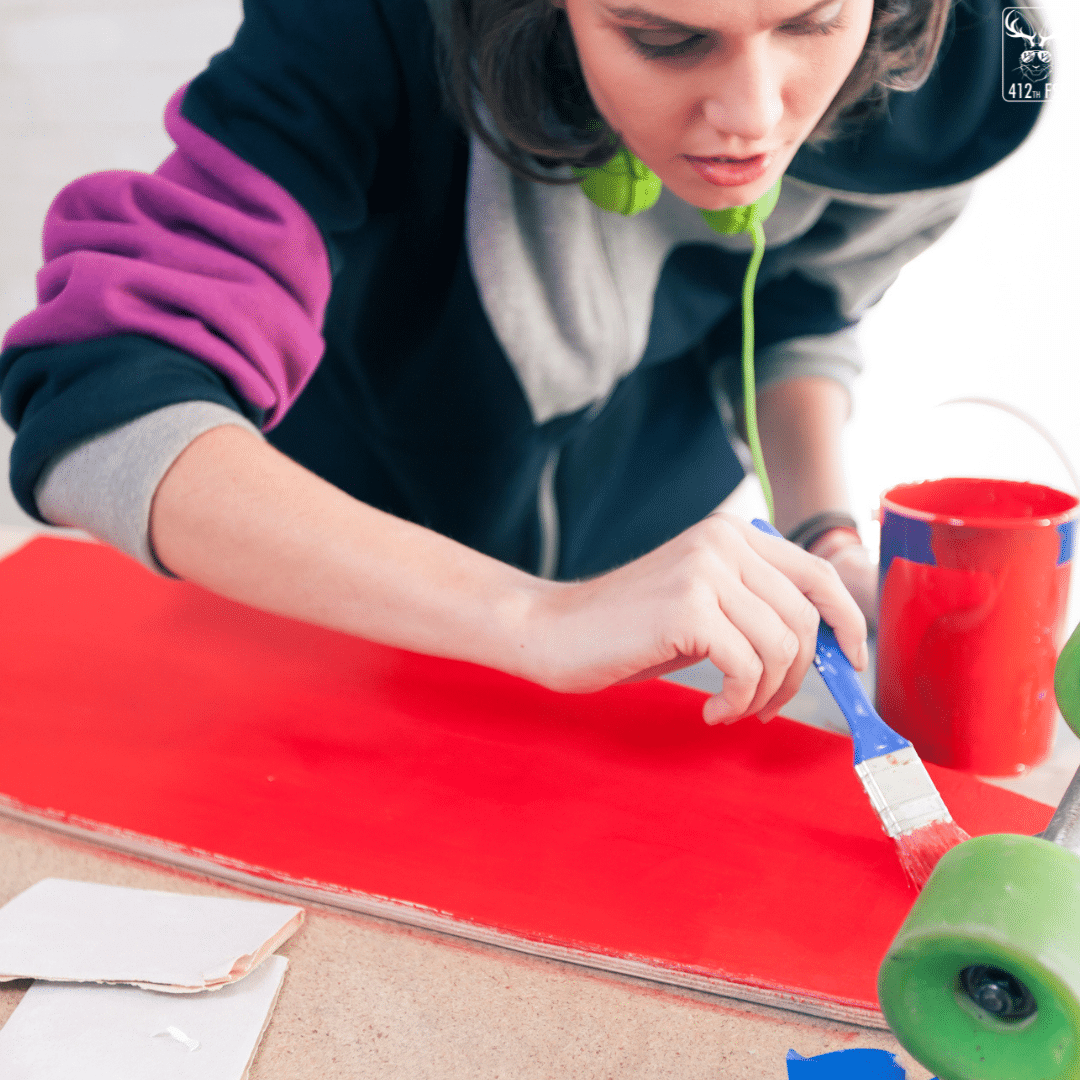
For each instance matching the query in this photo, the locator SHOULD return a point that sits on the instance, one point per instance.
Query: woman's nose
(744, 100)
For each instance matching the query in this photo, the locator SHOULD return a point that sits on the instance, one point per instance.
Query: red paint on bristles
(920, 849)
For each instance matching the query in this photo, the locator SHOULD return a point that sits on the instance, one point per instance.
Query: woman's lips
(730, 171)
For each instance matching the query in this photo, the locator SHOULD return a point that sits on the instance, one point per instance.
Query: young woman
(363, 352)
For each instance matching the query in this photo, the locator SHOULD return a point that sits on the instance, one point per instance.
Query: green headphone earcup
(737, 219)
(624, 185)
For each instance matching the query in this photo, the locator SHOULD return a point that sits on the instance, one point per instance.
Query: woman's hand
(748, 602)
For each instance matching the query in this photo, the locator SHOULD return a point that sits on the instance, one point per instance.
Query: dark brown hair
(517, 58)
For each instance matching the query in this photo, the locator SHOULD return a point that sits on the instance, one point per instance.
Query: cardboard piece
(613, 829)
(124, 1033)
(77, 931)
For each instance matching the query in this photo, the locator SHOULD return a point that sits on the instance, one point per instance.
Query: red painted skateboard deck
(614, 829)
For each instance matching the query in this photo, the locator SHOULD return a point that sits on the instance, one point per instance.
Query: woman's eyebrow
(632, 13)
(640, 15)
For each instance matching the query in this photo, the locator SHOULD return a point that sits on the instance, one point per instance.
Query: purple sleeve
(207, 254)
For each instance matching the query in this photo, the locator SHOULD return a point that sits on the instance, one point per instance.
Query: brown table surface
(368, 998)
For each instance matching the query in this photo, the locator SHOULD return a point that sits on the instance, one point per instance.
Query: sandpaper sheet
(128, 1033)
(614, 829)
(83, 931)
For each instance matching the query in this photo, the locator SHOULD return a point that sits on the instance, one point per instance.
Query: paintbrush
(901, 792)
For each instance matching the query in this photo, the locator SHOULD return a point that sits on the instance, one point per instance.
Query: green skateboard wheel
(982, 981)
(1067, 681)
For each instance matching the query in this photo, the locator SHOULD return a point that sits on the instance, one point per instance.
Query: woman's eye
(660, 43)
(824, 21)
(812, 27)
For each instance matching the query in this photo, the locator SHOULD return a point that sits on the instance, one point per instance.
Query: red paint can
(973, 587)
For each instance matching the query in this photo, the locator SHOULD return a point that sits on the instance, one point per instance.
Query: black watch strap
(813, 528)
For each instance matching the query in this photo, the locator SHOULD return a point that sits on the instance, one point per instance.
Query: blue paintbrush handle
(871, 735)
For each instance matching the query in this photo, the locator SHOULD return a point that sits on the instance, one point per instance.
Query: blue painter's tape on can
(1067, 531)
(845, 1065)
(905, 538)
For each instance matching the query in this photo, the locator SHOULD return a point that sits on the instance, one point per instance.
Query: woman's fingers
(767, 654)
(777, 613)
(743, 669)
(764, 629)
(820, 584)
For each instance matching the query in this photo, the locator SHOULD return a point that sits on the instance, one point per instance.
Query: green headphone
(625, 185)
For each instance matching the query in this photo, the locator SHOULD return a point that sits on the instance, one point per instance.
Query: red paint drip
(614, 823)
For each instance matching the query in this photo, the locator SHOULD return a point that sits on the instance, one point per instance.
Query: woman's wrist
(833, 536)
(514, 630)
(843, 549)
(831, 542)
(810, 531)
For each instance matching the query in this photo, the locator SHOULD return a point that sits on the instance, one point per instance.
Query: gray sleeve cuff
(835, 356)
(106, 484)
(828, 356)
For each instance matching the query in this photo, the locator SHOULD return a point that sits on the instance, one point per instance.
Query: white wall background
(993, 310)
(83, 84)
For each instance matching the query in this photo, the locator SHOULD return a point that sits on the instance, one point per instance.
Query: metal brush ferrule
(901, 791)
(1064, 827)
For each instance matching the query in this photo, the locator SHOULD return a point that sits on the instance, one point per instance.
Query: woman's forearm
(801, 422)
(238, 517)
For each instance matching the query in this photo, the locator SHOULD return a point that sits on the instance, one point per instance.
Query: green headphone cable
(625, 185)
(749, 390)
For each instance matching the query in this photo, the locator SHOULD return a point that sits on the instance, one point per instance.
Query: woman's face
(715, 96)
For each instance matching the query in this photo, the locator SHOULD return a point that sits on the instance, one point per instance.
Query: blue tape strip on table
(845, 1065)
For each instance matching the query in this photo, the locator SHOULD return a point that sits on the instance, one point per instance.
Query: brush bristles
(920, 849)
